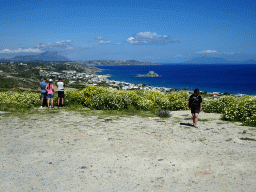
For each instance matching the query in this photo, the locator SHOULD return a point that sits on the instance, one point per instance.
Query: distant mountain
(250, 61)
(208, 60)
(95, 63)
(46, 56)
(215, 60)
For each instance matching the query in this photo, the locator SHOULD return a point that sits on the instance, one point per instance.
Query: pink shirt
(50, 91)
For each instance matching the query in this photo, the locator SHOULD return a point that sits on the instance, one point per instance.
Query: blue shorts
(50, 95)
(43, 95)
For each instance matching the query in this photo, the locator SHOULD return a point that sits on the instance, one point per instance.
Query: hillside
(46, 56)
(96, 63)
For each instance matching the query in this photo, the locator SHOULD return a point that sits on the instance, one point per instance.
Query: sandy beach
(73, 151)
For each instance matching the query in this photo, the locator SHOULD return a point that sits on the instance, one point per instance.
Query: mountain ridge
(54, 56)
(46, 56)
(216, 60)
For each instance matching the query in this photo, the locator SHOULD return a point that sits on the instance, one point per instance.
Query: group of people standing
(47, 91)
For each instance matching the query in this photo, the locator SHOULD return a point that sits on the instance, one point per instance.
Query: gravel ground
(69, 151)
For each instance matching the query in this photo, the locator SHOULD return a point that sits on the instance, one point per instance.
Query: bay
(206, 77)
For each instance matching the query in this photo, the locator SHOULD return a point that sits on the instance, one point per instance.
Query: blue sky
(162, 31)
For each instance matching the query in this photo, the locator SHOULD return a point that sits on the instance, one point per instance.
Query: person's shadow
(187, 124)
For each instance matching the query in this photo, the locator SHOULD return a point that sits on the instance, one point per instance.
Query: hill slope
(46, 56)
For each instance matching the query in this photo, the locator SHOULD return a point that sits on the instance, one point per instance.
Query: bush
(217, 106)
(234, 109)
(103, 98)
(22, 100)
(244, 110)
(163, 113)
(178, 100)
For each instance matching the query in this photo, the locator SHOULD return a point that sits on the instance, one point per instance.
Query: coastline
(165, 83)
(161, 89)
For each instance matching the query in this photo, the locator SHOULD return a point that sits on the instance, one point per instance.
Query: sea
(231, 78)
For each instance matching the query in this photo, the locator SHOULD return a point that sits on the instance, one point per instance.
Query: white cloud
(60, 46)
(6, 51)
(63, 41)
(147, 38)
(215, 52)
(21, 50)
(99, 38)
(207, 51)
(132, 40)
(105, 42)
(119, 43)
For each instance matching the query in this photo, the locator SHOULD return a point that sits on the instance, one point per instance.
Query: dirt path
(74, 152)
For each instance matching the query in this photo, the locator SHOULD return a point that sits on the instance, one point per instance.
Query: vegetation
(163, 113)
(10, 82)
(248, 139)
(101, 98)
(18, 100)
(241, 109)
(78, 86)
(204, 94)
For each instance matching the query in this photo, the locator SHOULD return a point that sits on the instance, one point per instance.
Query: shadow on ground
(187, 124)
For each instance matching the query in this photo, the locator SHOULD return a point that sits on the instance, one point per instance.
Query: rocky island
(149, 74)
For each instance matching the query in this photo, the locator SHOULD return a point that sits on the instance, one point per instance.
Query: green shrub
(178, 100)
(234, 109)
(89, 92)
(163, 113)
(211, 106)
(103, 98)
(243, 110)
(218, 106)
(22, 100)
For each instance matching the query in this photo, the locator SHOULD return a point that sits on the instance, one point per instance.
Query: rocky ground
(70, 151)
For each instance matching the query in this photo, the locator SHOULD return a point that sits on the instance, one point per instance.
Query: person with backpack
(195, 104)
(50, 90)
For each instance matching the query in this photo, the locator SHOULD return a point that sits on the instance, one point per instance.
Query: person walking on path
(43, 91)
(60, 86)
(50, 90)
(195, 104)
